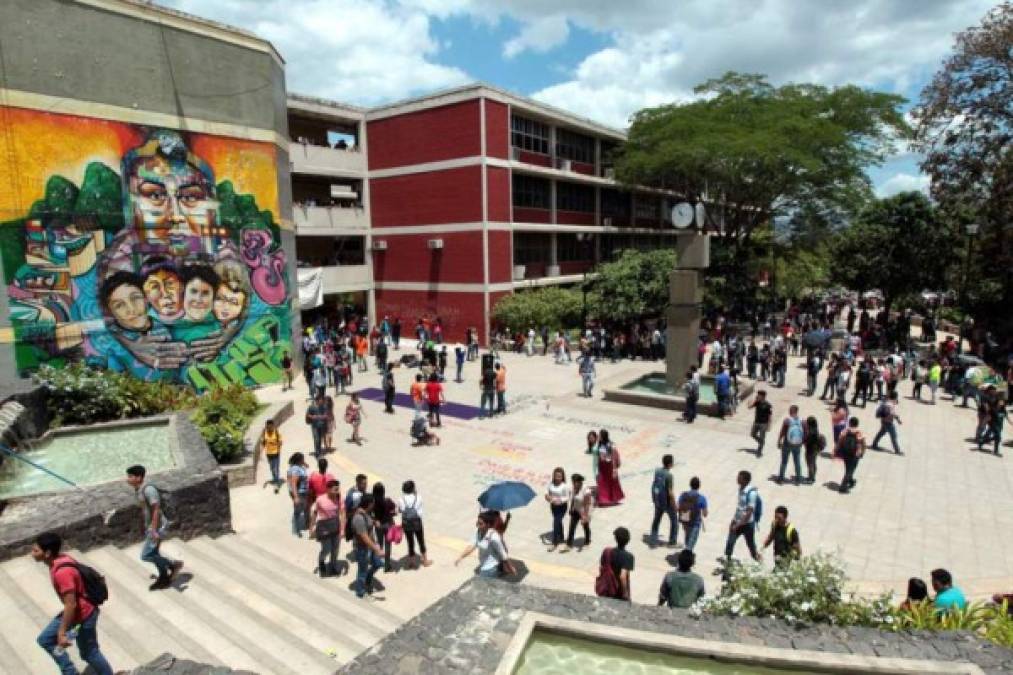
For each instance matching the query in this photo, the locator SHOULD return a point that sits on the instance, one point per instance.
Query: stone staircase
(235, 604)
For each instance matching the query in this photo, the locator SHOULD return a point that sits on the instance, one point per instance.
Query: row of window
(533, 136)
(535, 247)
(532, 192)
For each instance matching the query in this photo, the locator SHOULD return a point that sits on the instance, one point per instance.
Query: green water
(655, 383)
(86, 458)
(551, 654)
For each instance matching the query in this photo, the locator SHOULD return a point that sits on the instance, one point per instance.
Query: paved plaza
(938, 505)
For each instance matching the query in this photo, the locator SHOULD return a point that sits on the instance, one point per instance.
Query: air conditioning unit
(566, 165)
(610, 172)
(607, 221)
(379, 245)
(435, 243)
(515, 154)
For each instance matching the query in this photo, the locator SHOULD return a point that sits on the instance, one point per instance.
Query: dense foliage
(557, 308)
(635, 286)
(81, 395)
(811, 590)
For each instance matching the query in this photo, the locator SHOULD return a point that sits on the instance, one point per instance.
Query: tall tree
(753, 151)
(965, 130)
(897, 245)
(634, 286)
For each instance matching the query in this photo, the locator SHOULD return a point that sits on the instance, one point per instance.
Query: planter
(519, 272)
(552, 271)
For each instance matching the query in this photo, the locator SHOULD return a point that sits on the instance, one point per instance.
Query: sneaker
(160, 584)
(176, 567)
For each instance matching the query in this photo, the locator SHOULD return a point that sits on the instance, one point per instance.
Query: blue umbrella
(505, 496)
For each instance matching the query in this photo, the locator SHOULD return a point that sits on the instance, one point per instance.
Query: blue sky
(603, 59)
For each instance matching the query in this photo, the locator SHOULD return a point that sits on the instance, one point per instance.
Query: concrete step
(21, 621)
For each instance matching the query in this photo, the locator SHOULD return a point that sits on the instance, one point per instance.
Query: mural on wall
(158, 262)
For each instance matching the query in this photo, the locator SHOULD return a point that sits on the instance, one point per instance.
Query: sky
(604, 59)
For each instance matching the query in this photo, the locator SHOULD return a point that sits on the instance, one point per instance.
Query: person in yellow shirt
(500, 389)
(270, 441)
(935, 377)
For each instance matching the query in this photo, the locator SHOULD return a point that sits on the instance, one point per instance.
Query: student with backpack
(614, 568)
(692, 388)
(850, 448)
(692, 510)
(410, 507)
(886, 412)
(784, 537)
(81, 589)
(663, 497)
(156, 513)
(815, 443)
(791, 439)
(747, 516)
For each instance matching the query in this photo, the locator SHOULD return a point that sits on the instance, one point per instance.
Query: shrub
(222, 416)
(989, 621)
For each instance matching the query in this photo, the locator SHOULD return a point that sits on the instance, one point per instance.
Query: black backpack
(95, 589)
(849, 446)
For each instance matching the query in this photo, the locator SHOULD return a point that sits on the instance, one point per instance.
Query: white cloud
(903, 182)
(356, 51)
(538, 36)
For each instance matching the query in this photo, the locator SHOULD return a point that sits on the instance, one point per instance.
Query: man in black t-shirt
(622, 562)
(488, 385)
(784, 537)
(761, 420)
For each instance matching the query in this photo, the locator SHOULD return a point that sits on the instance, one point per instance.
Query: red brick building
(469, 194)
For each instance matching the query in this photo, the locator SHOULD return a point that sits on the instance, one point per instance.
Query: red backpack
(606, 585)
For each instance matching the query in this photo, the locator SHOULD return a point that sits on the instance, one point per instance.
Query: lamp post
(971, 229)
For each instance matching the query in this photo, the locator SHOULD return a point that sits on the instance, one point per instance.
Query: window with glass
(531, 192)
(615, 205)
(571, 145)
(529, 135)
(648, 208)
(569, 248)
(531, 247)
(573, 197)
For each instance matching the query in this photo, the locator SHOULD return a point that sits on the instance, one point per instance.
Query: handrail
(10, 453)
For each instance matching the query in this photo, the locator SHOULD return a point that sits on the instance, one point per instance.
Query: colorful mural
(168, 269)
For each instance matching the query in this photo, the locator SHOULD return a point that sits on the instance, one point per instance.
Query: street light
(971, 229)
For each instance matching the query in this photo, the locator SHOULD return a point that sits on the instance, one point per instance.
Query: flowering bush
(992, 622)
(808, 590)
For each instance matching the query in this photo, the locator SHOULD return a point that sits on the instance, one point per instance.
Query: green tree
(100, 200)
(898, 245)
(751, 151)
(634, 286)
(551, 306)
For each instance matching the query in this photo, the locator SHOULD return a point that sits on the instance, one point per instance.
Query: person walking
(614, 568)
(692, 508)
(581, 502)
(761, 420)
(723, 390)
(791, 438)
(368, 554)
(384, 510)
(417, 392)
(682, 587)
(784, 537)
(388, 389)
(557, 494)
(663, 497)
(886, 412)
(492, 555)
(78, 620)
(586, 368)
(692, 388)
(327, 516)
(286, 371)
(850, 448)
(410, 507)
(501, 389)
(353, 416)
(815, 443)
(934, 378)
(747, 516)
(319, 380)
(298, 489)
(459, 363)
(270, 443)
(487, 385)
(317, 419)
(316, 484)
(610, 491)
(434, 398)
(156, 521)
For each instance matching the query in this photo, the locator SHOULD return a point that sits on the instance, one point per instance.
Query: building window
(531, 247)
(648, 208)
(615, 205)
(571, 249)
(571, 145)
(573, 197)
(529, 135)
(530, 192)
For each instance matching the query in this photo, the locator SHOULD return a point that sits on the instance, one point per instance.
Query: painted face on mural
(229, 304)
(199, 283)
(164, 292)
(124, 301)
(170, 197)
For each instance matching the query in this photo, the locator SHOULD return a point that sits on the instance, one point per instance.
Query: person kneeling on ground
(421, 435)
(682, 587)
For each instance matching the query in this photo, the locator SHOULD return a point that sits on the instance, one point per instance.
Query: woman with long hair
(610, 492)
(384, 510)
(557, 494)
(814, 444)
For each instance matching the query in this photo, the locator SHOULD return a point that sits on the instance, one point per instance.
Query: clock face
(682, 215)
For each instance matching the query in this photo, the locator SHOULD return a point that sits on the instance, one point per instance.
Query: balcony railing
(329, 219)
(322, 160)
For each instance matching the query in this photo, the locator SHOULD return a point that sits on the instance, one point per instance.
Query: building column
(368, 243)
(554, 248)
(597, 205)
(552, 201)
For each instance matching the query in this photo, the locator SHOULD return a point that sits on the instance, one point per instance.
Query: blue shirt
(722, 383)
(696, 514)
(951, 598)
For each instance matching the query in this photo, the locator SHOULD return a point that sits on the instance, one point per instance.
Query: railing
(10, 453)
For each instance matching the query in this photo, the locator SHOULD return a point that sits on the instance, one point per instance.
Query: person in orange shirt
(361, 347)
(500, 388)
(417, 390)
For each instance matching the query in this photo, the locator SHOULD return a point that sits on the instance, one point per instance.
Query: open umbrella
(969, 360)
(505, 496)
(816, 338)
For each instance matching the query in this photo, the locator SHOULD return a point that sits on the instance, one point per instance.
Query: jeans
(574, 520)
(691, 532)
(849, 474)
(388, 400)
(722, 405)
(759, 434)
(87, 645)
(887, 428)
(501, 402)
(673, 524)
(274, 462)
(747, 531)
(587, 384)
(150, 554)
(793, 450)
(690, 413)
(460, 370)
(411, 536)
(328, 549)
(368, 563)
(487, 397)
(299, 515)
(829, 387)
(434, 414)
(318, 438)
(811, 383)
(558, 513)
